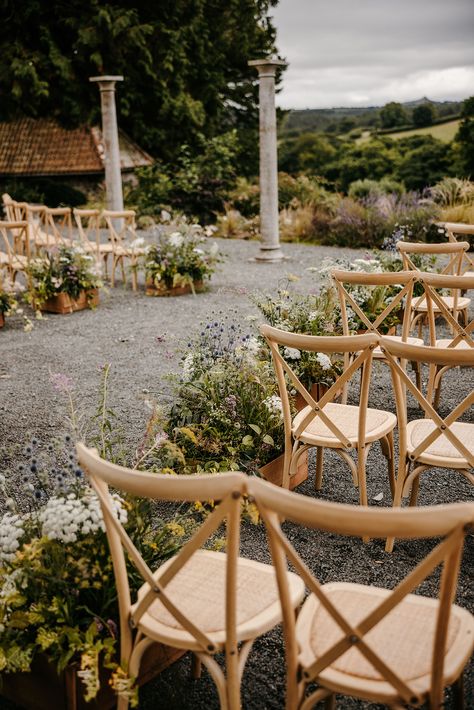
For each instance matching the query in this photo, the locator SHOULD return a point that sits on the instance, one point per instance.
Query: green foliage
(197, 185)
(465, 138)
(185, 66)
(425, 161)
(423, 115)
(362, 189)
(392, 115)
(308, 152)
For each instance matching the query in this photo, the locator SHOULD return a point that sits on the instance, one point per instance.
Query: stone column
(113, 176)
(269, 230)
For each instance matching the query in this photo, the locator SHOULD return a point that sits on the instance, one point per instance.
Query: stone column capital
(106, 82)
(267, 66)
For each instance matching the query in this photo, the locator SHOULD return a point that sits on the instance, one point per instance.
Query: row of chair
(392, 647)
(30, 230)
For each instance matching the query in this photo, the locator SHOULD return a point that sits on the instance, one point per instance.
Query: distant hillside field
(443, 131)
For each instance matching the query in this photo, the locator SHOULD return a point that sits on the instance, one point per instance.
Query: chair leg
(397, 499)
(361, 461)
(458, 693)
(134, 276)
(388, 450)
(196, 666)
(124, 276)
(319, 468)
(330, 702)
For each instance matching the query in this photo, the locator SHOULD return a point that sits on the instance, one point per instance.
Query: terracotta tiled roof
(41, 147)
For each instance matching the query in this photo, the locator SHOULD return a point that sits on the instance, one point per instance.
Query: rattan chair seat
(346, 418)
(198, 590)
(449, 301)
(441, 452)
(403, 639)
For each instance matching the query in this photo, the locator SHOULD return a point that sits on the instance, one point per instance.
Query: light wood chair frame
(227, 489)
(408, 480)
(455, 251)
(16, 254)
(451, 522)
(88, 225)
(122, 228)
(436, 307)
(58, 224)
(461, 229)
(405, 279)
(360, 348)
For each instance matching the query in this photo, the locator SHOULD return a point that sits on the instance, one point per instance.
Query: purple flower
(61, 382)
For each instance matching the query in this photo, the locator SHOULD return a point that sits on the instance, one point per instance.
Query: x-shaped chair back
(359, 346)
(436, 306)
(455, 251)
(121, 226)
(87, 222)
(396, 352)
(15, 246)
(455, 230)
(346, 280)
(58, 224)
(450, 522)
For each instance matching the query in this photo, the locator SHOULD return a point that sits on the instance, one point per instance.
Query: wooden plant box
(44, 689)
(317, 391)
(63, 303)
(273, 471)
(2, 320)
(152, 290)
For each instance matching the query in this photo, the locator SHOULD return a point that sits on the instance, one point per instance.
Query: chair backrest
(451, 522)
(58, 223)
(387, 292)
(14, 240)
(121, 226)
(437, 308)
(453, 229)
(227, 489)
(396, 353)
(87, 222)
(455, 251)
(360, 346)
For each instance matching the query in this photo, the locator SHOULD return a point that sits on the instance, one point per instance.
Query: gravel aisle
(140, 337)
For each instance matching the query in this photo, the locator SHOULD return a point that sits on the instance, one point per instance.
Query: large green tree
(185, 64)
(393, 115)
(465, 139)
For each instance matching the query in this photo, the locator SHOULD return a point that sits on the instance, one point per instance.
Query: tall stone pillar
(113, 176)
(269, 230)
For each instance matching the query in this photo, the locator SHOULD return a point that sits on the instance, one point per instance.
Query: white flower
(292, 353)
(274, 405)
(252, 346)
(188, 367)
(176, 239)
(11, 531)
(137, 243)
(165, 216)
(198, 251)
(324, 361)
(65, 518)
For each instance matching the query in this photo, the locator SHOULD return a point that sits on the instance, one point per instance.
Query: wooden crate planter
(63, 303)
(152, 290)
(44, 689)
(273, 471)
(2, 320)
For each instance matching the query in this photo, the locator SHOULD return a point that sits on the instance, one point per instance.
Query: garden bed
(63, 303)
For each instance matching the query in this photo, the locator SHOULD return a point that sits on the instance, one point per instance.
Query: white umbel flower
(176, 239)
(274, 405)
(292, 353)
(324, 361)
(11, 531)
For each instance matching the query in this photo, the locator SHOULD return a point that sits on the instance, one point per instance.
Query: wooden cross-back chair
(199, 600)
(16, 212)
(378, 284)
(459, 229)
(14, 248)
(122, 235)
(386, 646)
(455, 253)
(58, 224)
(40, 238)
(324, 423)
(435, 441)
(462, 336)
(88, 225)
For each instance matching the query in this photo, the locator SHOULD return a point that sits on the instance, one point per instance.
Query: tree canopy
(185, 64)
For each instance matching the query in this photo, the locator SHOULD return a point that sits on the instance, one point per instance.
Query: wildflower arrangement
(226, 413)
(7, 297)
(310, 314)
(177, 258)
(57, 588)
(69, 270)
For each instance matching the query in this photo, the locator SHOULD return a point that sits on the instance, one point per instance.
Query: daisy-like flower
(324, 361)
(292, 353)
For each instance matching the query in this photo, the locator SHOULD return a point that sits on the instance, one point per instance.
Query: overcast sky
(369, 52)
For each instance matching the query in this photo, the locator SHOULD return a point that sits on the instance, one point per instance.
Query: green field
(443, 131)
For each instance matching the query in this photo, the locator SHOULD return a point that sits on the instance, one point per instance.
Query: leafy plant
(176, 258)
(68, 270)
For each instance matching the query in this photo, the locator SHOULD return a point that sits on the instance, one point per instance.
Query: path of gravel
(140, 336)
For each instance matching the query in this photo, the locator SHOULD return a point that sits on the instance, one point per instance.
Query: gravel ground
(140, 336)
